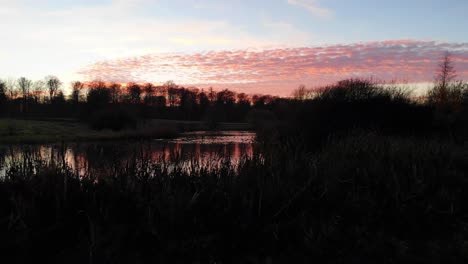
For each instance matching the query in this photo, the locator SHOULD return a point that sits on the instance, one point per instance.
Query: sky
(255, 46)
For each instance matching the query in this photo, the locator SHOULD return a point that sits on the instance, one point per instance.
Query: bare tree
(211, 95)
(243, 99)
(115, 91)
(172, 92)
(446, 71)
(300, 93)
(24, 86)
(445, 93)
(150, 91)
(53, 84)
(10, 87)
(76, 90)
(3, 94)
(134, 91)
(38, 90)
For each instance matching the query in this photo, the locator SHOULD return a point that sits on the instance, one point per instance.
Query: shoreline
(21, 131)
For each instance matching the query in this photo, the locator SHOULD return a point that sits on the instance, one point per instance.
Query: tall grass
(364, 198)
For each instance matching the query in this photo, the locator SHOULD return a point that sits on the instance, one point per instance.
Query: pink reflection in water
(208, 149)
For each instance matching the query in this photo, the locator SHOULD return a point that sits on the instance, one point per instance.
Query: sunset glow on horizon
(268, 47)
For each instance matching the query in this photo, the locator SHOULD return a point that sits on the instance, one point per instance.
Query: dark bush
(358, 104)
(115, 119)
(98, 97)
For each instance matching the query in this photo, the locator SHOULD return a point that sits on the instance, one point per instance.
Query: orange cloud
(278, 71)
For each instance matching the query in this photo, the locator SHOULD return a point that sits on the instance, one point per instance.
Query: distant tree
(300, 93)
(3, 98)
(447, 94)
(351, 90)
(53, 85)
(243, 99)
(38, 91)
(243, 106)
(11, 88)
(134, 91)
(212, 96)
(24, 86)
(188, 100)
(77, 87)
(446, 71)
(225, 97)
(260, 101)
(3, 93)
(98, 95)
(172, 93)
(203, 99)
(115, 90)
(59, 98)
(150, 90)
(159, 101)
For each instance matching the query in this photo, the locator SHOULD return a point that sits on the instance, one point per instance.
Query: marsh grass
(364, 198)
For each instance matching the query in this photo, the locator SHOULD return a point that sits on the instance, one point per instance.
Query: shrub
(358, 104)
(115, 119)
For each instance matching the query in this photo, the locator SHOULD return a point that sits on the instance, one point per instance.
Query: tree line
(446, 102)
(26, 98)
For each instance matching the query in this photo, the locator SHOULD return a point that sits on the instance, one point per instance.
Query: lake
(206, 148)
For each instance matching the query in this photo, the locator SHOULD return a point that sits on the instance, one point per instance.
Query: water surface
(204, 148)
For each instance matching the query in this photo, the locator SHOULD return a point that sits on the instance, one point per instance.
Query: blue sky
(348, 21)
(68, 37)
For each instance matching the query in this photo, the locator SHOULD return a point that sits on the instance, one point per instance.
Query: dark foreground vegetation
(362, 199)
(352, 173)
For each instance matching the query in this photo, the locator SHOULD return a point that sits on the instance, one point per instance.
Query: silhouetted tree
(98, 95)
(76, 91)
(38, 90)
(53, 84)
(203, 99)
(160, 101)
(150, 91)
(446, 73)
(446, 93)
(188, 100)
(243, 99)
(3, 95)
(260, 101)
(134, 91)
(172, 93)
(212, 96)
(24, 86)
(300, 93)
(225, 97)
(243, 106)
(115, 90)
(59, 98)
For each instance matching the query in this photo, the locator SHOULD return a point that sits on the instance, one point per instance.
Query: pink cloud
(279, 71)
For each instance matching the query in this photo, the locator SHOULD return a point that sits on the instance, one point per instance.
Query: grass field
(33, 131)
(38, 131)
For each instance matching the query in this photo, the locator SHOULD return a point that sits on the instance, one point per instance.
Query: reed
(363, 198)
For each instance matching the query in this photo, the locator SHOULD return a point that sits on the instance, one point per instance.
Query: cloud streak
(44, 38)
(278, 71)
(313, 7)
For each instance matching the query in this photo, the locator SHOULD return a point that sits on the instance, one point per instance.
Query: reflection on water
(202, 148)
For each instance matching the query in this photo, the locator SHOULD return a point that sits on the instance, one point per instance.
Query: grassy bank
(362, 199)
(33, 131)
(41, 131)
